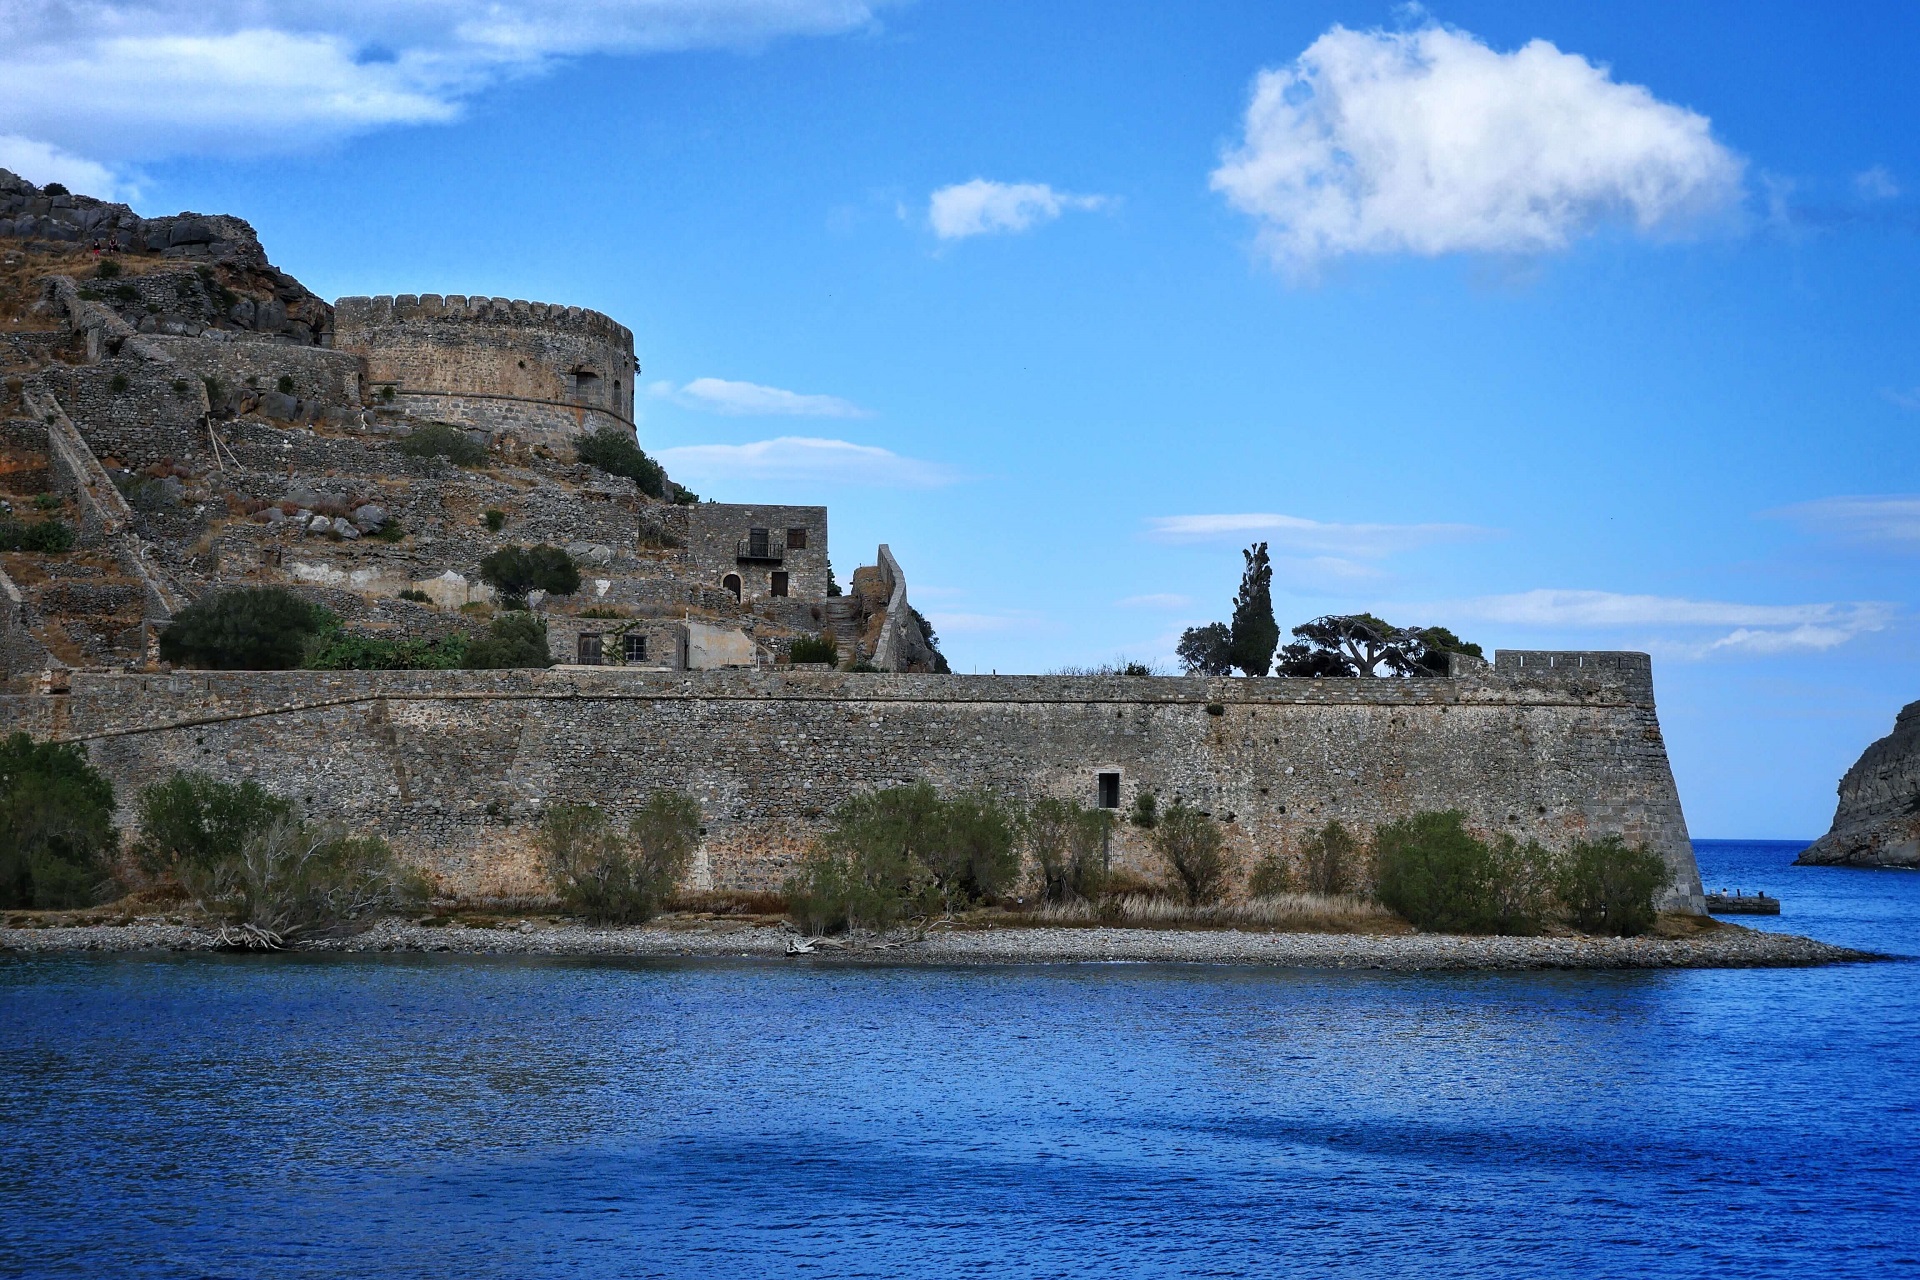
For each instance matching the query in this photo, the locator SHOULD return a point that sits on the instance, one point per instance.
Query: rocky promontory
(1877, 823)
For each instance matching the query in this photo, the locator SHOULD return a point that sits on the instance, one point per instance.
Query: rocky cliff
(1877, 823)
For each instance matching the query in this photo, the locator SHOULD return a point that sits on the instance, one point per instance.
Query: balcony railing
(771, 549)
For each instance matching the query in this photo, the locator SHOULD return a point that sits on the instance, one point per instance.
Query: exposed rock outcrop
(1878, 821)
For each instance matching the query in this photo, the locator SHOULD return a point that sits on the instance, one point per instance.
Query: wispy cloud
(981, 207)
(1875, 184)
(1891, 519)
(1909, 400)
(1162, 600)
(1327, 538)
(42, 162)
(1428, 142)
(1675, 621)
(751, 399)
(120, 81)
(805, 458)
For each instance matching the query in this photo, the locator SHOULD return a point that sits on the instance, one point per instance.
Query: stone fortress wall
(546, 374)
(455, 767)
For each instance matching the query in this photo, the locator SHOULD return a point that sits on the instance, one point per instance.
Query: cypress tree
(1255, 633)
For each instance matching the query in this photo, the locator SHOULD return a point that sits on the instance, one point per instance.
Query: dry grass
(1285, 913)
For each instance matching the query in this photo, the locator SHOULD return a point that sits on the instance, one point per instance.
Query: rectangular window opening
(636, 648)
(777, 584)
(756, 543)
(1109, 791)
(590, 649)
(797, 539)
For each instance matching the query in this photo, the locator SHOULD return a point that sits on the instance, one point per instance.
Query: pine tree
(1255, 633)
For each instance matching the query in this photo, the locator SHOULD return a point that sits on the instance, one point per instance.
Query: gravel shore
(1727, 947)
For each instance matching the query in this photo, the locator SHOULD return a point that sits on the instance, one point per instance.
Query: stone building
(543, 373)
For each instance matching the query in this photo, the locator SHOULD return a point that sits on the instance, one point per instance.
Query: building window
(777, 584)
(589, 648)
(1109, 791)
(732, 583)
(586, 385)
(635, 648)
(757, 543)
(797, 539)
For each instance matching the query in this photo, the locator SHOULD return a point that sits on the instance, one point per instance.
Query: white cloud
(750, 399)
(1886, 518)
(979, 207)
(804, 458)
(1155, 601)
(41, 163)
(121, 81)
(1756, 628)
(1367, 541)
(1429, 142)
(1875, 184)
(1903, 399)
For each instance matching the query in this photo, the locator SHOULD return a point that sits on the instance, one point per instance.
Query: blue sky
(1601, 342)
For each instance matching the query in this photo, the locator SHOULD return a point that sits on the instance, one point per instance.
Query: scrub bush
(1609, 887)
(1331, 860)
(516, 571)
(615, 452)
(243, 629)
(1195, 853)
(438, 440)
(1439, 877)
(40, 535)
(612, 877)
(56, 825)
(1068, 842)
(814, 649)
(513, 640)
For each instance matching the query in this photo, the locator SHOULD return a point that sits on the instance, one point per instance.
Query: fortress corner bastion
(545, 373)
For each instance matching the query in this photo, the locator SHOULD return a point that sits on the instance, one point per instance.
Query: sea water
(294, 1116)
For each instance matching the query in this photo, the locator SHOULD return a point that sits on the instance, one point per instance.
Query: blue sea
(430, 1116)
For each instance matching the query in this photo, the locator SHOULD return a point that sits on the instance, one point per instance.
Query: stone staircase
(841, 615)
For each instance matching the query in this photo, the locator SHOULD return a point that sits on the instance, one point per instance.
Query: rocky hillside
(1878, 821)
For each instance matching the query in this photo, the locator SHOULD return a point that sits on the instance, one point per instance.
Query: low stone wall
(455, 767)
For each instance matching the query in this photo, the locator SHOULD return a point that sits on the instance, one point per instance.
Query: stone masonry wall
(546, 373)
(454, 768)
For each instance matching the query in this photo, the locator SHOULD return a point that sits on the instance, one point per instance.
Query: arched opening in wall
(732, 583)
(586, 385)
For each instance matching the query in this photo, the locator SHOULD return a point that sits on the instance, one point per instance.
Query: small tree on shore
(615, 877)
(1068, 842)
(1610, 887)
(1330, 859)
(56, 825)
(1191, 845)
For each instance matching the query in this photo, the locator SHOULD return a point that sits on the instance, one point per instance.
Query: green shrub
(1195, 853)
(1609, 887)
(180, 388)
(1270, 876)
(1145, 813)
(1433, 872)
(615, 452)
(285, 385)
(611, 878)
(244, 629)
(1068, 842)
(418, 597)
(814, 649)
(513, 640)
(515, 571)
(904, 851)
(126, 293)
(108, 269)
(386, 394)
(438, 440)
(47, 501)
(118, 383)
(56, 825)
(337, 650)
(41, 535)
(1330, 860)
(192, 820)
(291, 879)
(496, 520)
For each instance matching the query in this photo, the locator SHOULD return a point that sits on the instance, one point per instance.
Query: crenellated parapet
(543, 372)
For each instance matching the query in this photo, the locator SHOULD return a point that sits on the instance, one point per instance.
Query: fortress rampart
(544, 373)
(455, 767)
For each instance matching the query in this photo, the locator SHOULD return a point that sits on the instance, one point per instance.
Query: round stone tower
(543, 373)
